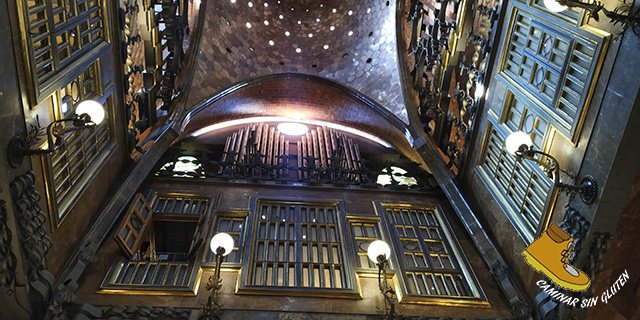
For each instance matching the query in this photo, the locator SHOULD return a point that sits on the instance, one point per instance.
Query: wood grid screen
(180, 204)
(76, 154)
(555, 64)
(234, 225)
(364, 232)
(520, 187)
(59, 32)
(298, 245)
(430, 259)
(150, 277)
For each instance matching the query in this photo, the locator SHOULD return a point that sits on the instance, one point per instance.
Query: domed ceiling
(350, 42)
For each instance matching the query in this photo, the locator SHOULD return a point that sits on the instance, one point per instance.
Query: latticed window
(548, 68)
(431, 262)
(160, 235)
(86, 86)
(364, 230)
(59, 32)
(520, 187)
(232, 223)
(553, 65)
(79, 150)
(298, 245)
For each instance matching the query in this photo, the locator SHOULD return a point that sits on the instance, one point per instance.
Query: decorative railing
(145, 276)
(449, 68)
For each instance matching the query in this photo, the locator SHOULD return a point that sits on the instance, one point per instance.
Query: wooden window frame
(42, 16)
(527, 231)
(347, 273)
(59, 207)
(151, 277)
(556, 111)
(449, 240)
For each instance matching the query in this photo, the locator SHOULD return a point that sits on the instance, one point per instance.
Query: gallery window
(81, 153)
(432, 267)
(548, 67)
(522, 189)
(58, 34)
(298, 246)
(161, 236)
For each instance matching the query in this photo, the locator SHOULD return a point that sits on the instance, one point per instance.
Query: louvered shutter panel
(136, 222)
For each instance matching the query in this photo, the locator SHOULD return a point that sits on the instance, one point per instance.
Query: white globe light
(292, 128)
(93, 108)
(554, 6)
(377, 248)
(223, 240)
(515, 140)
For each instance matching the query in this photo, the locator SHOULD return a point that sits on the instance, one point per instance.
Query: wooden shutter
(136, 222)
(201, 231)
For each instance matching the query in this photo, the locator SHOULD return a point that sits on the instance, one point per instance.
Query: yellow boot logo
(551, 254)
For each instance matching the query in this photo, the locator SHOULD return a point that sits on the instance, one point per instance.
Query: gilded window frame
(58, 212)
(36, 92)
(478, 300)
(500, 198)
(577, 27)
(243, 286)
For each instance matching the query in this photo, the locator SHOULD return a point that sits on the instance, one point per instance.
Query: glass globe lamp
(222, 240)
(378, 248)
(517, 139)
(92, 108)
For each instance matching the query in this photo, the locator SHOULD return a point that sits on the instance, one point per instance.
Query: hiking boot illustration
(551, 254)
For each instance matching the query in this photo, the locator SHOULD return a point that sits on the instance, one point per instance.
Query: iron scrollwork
(34, 239)
(148, 88)
(447, 111)
(7, 257)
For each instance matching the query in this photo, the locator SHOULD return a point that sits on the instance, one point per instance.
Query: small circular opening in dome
(292, 128)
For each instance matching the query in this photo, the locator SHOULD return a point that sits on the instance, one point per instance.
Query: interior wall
(356, 202)
(599, 145)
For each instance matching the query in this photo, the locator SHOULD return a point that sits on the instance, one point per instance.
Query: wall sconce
(221, 245)
(379, 253)
(520, 145)
(87, 114)
(624, 15)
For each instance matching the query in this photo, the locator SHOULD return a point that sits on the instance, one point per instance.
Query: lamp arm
(530, 155)
(593, 8)
(554, 166)
(387, 293)
(50, 134)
